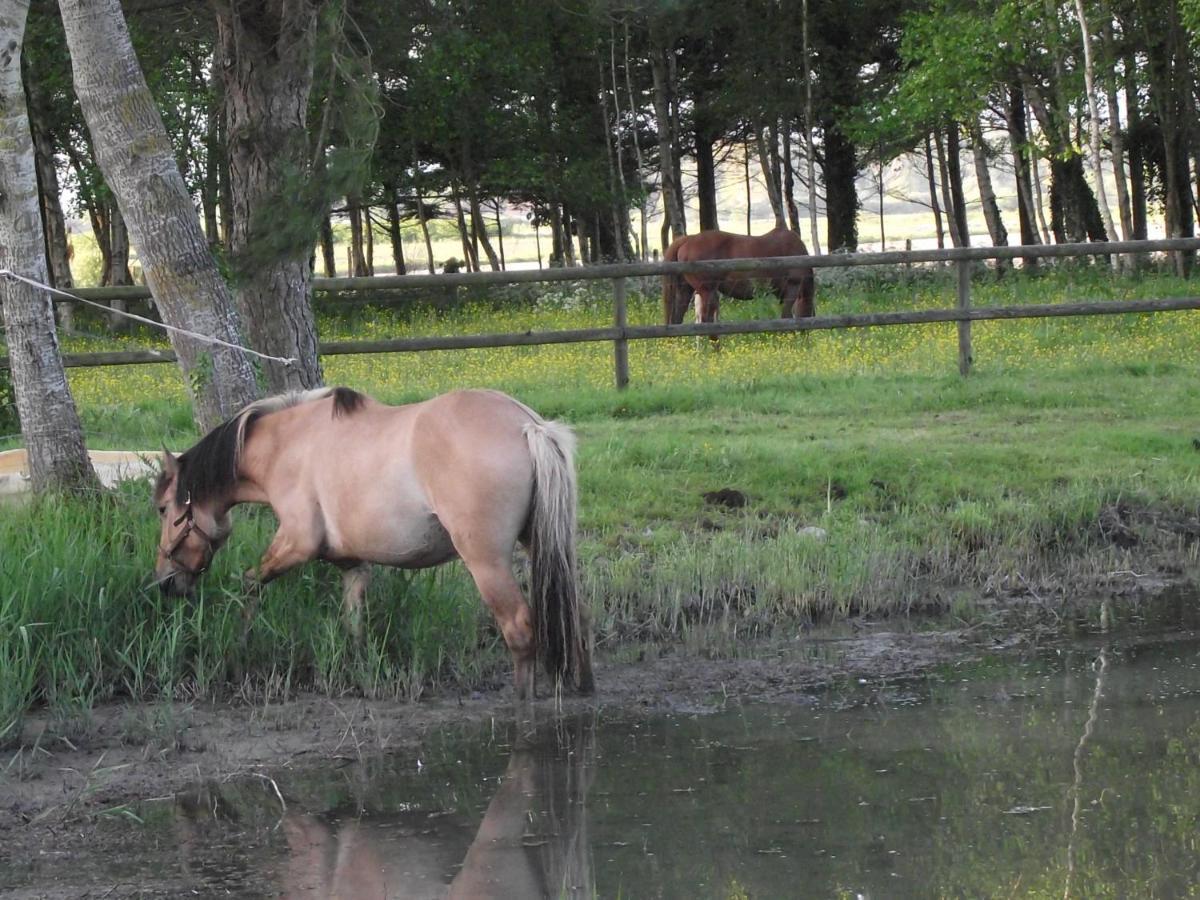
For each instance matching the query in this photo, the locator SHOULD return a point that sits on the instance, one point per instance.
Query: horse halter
(188, 520)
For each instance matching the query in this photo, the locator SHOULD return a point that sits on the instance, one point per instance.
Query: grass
(1067, 455)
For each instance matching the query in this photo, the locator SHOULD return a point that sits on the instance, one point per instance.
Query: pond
(1070, 771)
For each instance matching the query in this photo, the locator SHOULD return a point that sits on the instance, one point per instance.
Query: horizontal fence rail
(645, 332)
(620, 333)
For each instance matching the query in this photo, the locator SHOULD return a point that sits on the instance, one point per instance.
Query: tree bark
(933, 197)
(328, 256)
(421, 220)
(706, 179)
(1089, 75)
(138, 162)
(841, 192)
(806, 51)
(667, 142)
(479, 230)
(397, 239)
(51, 195)
(358, 256)
(643, 250)
(991, 209)
(954, 169)
(53, 435)
(1137, 165)
(769, 173)
(789, 180)
(267, 50)
(1018, 139)
(1116, 134)
(952, 220)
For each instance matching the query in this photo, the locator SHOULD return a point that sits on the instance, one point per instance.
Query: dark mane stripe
(209, 469)
(346, 401)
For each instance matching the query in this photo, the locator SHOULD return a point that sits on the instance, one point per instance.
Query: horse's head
(192, 530)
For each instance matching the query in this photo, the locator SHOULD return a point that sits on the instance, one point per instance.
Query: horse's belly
(738, 286)
(408, 542)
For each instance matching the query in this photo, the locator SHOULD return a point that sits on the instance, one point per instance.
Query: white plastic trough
(111, 466)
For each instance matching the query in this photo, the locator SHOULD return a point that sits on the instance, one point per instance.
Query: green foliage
(9, 424)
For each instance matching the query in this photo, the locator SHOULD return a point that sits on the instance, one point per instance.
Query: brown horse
(354, 482)
(793, 287)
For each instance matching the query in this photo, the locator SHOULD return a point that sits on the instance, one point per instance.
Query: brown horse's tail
(672, 283)
(563, 641)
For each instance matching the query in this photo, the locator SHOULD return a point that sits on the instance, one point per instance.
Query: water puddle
(1072, 772)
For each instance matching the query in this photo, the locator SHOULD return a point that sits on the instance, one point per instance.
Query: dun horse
(355, 482)
(794, 287)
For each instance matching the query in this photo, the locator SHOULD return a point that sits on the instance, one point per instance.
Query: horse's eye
(162, 511)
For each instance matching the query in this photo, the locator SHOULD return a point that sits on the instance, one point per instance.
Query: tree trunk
(421, 220)
(1137, 164)
(48, 189)
(1074, 215)
(500, 236)
(706, 180)
(397, 239)
(358, 256)
(368, 222)
(268, 49)
(328, 256)
(952, 220)
(933, 197)
(841, 192)
(806, 52)
(746, 177)
(118, 267)
(643, 250)
(672, 190)
(1089, 75)
(1116, 134)
(789, 180)
(991, 210)
(479, 230)
(954, 170)
(769, 173)
(136, 157)
(58, 458)
(214, 152)
(469, 256)
(1018, 139)
(620, 199)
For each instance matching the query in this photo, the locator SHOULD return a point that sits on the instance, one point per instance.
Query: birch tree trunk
(933, 197)
(138, 163)
(1089, 75)
(1116, 135)
(814, 233)
(637, 150)
(50, 425)
(268, 53)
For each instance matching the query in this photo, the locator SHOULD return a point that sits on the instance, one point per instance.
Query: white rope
(286, 360)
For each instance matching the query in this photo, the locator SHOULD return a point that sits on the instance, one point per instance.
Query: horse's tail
(672, 282)
(561, 626)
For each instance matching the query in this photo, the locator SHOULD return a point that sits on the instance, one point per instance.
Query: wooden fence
(620, 332)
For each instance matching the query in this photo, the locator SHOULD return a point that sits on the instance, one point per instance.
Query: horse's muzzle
(177, 584)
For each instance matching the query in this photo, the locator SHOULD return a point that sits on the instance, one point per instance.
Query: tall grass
(875, 481)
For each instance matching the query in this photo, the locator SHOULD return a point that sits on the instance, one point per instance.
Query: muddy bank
(69, 773)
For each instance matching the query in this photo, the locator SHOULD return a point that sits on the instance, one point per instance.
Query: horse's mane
(209, 468)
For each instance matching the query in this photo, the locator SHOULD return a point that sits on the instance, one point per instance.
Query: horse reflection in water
(532, 841)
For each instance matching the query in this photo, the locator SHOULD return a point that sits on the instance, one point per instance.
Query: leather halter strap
(188, 520)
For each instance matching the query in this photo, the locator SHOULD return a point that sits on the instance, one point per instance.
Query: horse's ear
(170, 463)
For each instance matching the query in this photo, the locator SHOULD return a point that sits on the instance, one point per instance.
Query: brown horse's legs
(503, 597)
(681, 299)
(354, 587)
(708, 309)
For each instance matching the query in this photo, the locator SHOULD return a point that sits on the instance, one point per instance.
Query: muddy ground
(58, 787)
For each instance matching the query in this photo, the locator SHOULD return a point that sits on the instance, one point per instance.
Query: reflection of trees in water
(531, 842)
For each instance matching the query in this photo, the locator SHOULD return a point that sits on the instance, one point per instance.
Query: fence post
(621, 344)
(965, 356)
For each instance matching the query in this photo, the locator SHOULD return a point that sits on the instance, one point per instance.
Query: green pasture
(875, 480)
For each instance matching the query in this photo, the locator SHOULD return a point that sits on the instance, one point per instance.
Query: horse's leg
(681, 300)
(789, 299)
(286, 551)
(708, 309)
(502, 595)
(355, 580)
